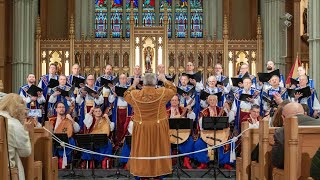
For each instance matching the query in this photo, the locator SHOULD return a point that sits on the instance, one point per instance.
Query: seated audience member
(306, 109)
(13, 108)
(254, 117)
(315, 166)
(277, 117)
(289, 110)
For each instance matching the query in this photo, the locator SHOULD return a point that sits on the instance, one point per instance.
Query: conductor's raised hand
(135, 82)
(162, 77)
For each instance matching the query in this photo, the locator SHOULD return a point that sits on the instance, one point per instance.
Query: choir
(84, 105)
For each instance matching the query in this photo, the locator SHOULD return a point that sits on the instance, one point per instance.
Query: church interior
(126, 34)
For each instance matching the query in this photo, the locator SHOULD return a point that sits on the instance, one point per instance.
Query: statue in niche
(171, 59)
(126, 59)
(87, 60)
(210, 59)
(190, 57)
(78, 58)
(200, 60)
(106, 59)
(305, 21)
(97, 60)
(116, 60)
(181, 59)
(219, 57)
(148, 54)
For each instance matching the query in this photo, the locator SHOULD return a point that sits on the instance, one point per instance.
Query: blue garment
(201, 157)
(310, 101)
(187, 146)
(81, 110)
(59, 152)
(23, 90)
(43, 83)
(107, 149)
(237, 101)
(114, 112)
(125, 152)
(60, 98)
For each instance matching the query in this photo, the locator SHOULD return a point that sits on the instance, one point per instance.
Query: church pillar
(273, 33)
(213, 16)
(84, 18)
(157, 11)
(124, 20)
(109, 35)
(189, 20)
(23, 62)
(314, 41)
(140, 9)
(173, 17)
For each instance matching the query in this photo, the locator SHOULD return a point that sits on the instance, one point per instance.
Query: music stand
(92, 141)
(179, 123)
(215, 123)
(64, 138)
(118, 173)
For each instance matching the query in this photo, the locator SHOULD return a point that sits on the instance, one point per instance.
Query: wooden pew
(40, 164)
(30, 165)
(262, 170)
(43, 152)
(4, 171)
(300, 145)
(249, 140)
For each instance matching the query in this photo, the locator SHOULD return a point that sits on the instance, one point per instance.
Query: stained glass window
(100, 22)
(181, 18)
(135, 15)
(196, 26)
(161, 18)
(177, 20)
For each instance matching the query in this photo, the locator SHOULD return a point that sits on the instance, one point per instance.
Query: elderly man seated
(289, 110)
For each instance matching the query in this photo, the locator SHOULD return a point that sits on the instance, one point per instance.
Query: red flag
(294, 70)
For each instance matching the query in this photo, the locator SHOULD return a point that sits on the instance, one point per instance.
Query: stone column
(24, 17)
(140, 9)
(157, 12)
(109, 19)
(314, 41)
(124, 19)
(189, 20)
(274, 33)
(173, 17)
(84, 18)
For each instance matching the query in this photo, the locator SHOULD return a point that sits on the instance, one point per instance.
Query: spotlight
(288, 16)
(287, 23)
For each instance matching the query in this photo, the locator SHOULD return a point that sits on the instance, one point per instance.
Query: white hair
(150, 79)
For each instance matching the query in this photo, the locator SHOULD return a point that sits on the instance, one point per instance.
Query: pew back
(301, 143)
(4, 171)
(249, 141)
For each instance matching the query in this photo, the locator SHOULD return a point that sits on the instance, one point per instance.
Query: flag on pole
(294, 70)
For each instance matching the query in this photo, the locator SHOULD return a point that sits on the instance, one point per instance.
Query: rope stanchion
(67, 145)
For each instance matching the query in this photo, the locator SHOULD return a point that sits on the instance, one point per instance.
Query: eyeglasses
(189, 65)
(90, 79)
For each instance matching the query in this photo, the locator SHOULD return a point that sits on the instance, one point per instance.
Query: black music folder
(224, 82)
(33, 90)
(105, 82)
(306, 92)
(77, 81)
(265, 77)
(53, 83)
(196, 76)
(189, 92)
(243, 97)
(294, 82)
(236, 81)
(120, 90)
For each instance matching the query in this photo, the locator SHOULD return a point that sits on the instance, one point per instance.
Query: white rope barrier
(67, 145)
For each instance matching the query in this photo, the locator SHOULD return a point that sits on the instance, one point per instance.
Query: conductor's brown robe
(150, 135)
